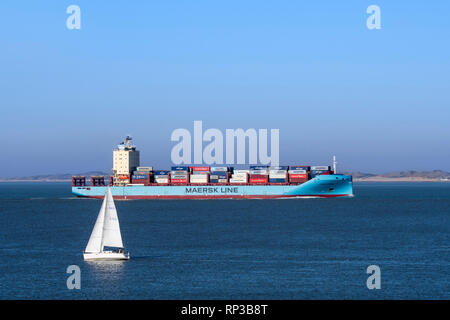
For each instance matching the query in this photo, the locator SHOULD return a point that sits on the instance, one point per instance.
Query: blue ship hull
(334, 185)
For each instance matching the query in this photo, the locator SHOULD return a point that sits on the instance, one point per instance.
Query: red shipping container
(258, 180)
(298, 176)
(200, 169)
(178, 181)
(263, 176)
(140, 181)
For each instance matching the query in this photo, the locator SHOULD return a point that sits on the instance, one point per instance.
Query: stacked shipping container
(259, 175)
(123, 179)
(142, 175)
(239, 177)
(298, 174)
(204, 175)
(161, 176)
(219, 175)
(278, 174)
(78, 181)
(97, 181)
(318, 170)
(179, 175)
(140, 179)
(200, 175)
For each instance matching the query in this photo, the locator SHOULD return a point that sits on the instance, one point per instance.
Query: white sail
(111, 228)
(95, 241)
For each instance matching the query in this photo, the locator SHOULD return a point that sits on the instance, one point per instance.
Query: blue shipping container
(139, 177)
(258, 167)
(162, 172)
(220, 174)
(277, 180)
(279, 168)
(180, 168)
(217, 180)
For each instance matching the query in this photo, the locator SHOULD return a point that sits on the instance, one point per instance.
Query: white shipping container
(162, 180)
(241, 171)
(221, 169)
(277, 176)
(178, 172)
(179, 176)
(259, 171)
(298, 172)
(144, 169)
(235, 175)
(199, 178)
(320, 168)
(238, 180)
(277, 171)
(239, 176)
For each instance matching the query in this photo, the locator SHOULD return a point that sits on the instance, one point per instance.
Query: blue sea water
(231, 249)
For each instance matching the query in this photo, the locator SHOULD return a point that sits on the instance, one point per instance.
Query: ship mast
(334, 164)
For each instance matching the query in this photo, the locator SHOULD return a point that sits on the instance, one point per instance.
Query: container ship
(130, 180)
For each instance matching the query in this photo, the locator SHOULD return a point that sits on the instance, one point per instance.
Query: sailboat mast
(104, 216)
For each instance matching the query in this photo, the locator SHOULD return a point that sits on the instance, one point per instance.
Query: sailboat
(106, 233)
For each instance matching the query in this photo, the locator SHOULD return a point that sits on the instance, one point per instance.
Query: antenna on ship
(126, 144)
(127, 141)
(334, 164)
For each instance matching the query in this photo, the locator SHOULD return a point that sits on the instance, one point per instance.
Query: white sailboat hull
(106, 255)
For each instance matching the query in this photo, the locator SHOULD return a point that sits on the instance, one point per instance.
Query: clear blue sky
(379, 100)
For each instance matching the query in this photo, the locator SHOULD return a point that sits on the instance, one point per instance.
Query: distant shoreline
(398, 176)
(24, 180)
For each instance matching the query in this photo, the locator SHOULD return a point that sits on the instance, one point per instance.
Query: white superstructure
(125, 158)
